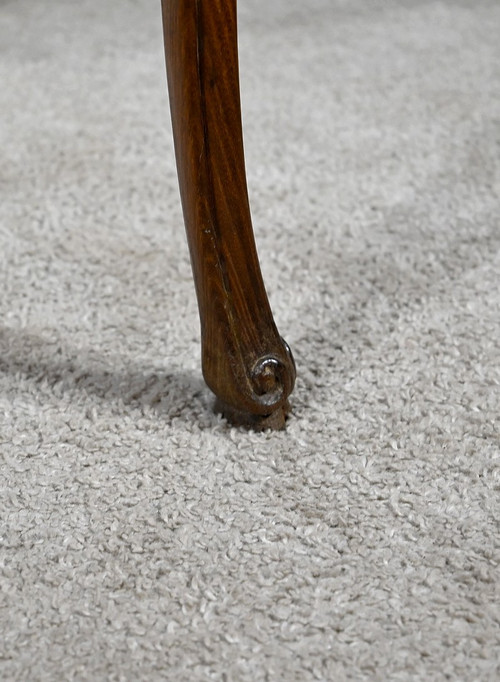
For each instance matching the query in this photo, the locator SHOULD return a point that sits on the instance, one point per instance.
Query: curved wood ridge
(245, 361)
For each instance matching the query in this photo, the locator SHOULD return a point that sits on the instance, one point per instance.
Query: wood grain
(245, 361)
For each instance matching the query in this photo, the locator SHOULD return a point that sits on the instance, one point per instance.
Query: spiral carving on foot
(272, 379)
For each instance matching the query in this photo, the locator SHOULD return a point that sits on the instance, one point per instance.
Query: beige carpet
(142, 538)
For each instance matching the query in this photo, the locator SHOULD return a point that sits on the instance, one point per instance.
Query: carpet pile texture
(141, 536)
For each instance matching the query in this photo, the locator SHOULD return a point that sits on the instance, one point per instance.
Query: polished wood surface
(245, 361)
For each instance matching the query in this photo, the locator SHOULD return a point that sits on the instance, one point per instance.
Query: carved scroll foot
(245, 361)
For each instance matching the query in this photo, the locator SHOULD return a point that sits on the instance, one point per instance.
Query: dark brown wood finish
(245, 361)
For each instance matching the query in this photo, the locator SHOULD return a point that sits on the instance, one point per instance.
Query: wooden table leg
(245, 361)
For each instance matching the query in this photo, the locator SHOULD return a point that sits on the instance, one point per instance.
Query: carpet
(142, 537)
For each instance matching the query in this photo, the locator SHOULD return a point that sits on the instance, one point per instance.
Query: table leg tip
(275, 421)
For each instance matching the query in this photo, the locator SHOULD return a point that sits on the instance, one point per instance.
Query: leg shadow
(65, 370)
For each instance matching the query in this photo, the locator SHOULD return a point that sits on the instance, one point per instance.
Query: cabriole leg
(245, 361)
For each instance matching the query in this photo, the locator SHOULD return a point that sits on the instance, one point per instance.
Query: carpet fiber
(141, 536)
